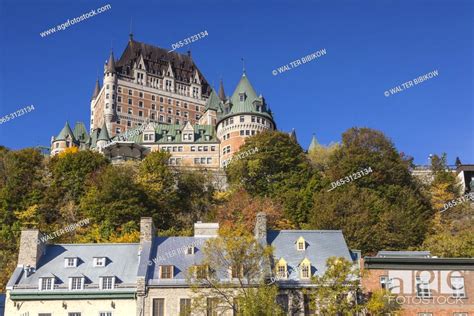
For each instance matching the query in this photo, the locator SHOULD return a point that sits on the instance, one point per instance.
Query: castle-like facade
(153, 99)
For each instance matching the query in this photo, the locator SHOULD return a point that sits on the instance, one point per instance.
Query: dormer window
(301, 244)
(305, 269)
(76, 283)
(242, 97)
(282, 269)
(70, 262)
(99, 261)
(107, 282)
(46, 283)
(190, 250)
(166, 272)
(201, 271)
(149, 137)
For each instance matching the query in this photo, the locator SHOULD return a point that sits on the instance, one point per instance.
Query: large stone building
(149, 278)
(152, 99)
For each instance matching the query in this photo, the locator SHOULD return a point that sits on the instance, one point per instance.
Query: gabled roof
(156, 61)
(65, 132)
(320, 245)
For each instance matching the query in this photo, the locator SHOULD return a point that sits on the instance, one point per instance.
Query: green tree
(382, 302)
(320, 155)
(237, 253)
(336, 291)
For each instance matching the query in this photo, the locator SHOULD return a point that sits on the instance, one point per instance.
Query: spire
(103, 135)
(96, 89)
(221, 91)
(111, 63)
(131, 33)
(314, 144)
(293, 135)
(243, 66)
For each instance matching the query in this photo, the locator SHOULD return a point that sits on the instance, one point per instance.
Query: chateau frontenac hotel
(152, 99)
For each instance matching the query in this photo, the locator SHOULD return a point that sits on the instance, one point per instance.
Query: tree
(237, 253)
(240, 208)
(320, 155)
(337, 289)
(382, 302)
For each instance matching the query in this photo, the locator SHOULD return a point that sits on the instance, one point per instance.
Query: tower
(94, 97)
(110, 85)
(245, 114)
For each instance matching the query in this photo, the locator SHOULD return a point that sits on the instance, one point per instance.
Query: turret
(103, 139)
(245, 114)
(94, 97)
(65, 139)
(110, 85)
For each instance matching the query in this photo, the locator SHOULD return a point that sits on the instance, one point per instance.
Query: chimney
(206, 229)
(260, 229)
(147, 229)
(32, 247)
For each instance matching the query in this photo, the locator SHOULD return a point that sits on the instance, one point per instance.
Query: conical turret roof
(221, 91)
(104, 134)
(111, 63)
(65, 132)
(96, 89)
(314, 143)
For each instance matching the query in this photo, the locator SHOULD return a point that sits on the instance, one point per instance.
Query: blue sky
(371, 46)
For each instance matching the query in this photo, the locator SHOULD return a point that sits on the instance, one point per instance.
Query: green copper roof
(80, 132)
(214, 102)
(243, 87)
(104, 134)
(65, 132)
(314, 144)
(162, 131)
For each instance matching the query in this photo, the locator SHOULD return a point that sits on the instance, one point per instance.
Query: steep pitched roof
(96, 89)
(293, 135)
(65, 132)
(214, 102)
(156, 62)
(314, 144)
(221, 91)
(320, 245)
(111, 63)
(80, 132)
(104, 134)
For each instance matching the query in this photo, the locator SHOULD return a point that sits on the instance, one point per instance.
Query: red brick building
(424, 285)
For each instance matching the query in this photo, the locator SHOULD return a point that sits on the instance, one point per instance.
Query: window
(190, 250)
(162, 118)
(166, 272)
(161, 108)
(141, 94)
(423, 286)
(247, 132)
(193, 148)
(185, 307)
(140, 113)
(107, 283)
(213, 148)
(258, 120)
(119, 99)
(282, 300)
(70, 262)
(129, 123)
(301, 244)
(130, 101)
(117, 130)
(242, 119)
(237, 272)
(129, 111)
(457, 284)
(384, 282)
(206, 148)
(153, 106)
(209, 161)
(153, 98)
(119, 89)
(308, 310)
(158, 307)
(242, 132)
(76, 283)
(199, 148)
(242, 97)
(153, 116)
(253, 119)
(425, 314)
(169, 101)
(74, 314)
(281, 269)
(105, 313)
(140, 104)
(305, 269)
(170, 111)
(130, 92)
(460, 314)
(46, 284)
(201, 271)
(212, 304)
(99, 262)
(119, 108)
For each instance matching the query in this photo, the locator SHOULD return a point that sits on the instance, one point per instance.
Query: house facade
(149, 278)
(422, 284)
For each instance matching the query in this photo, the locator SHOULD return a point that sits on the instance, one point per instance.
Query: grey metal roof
(122, 262)
(320, 245)
(397, 254)
(172, 251)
